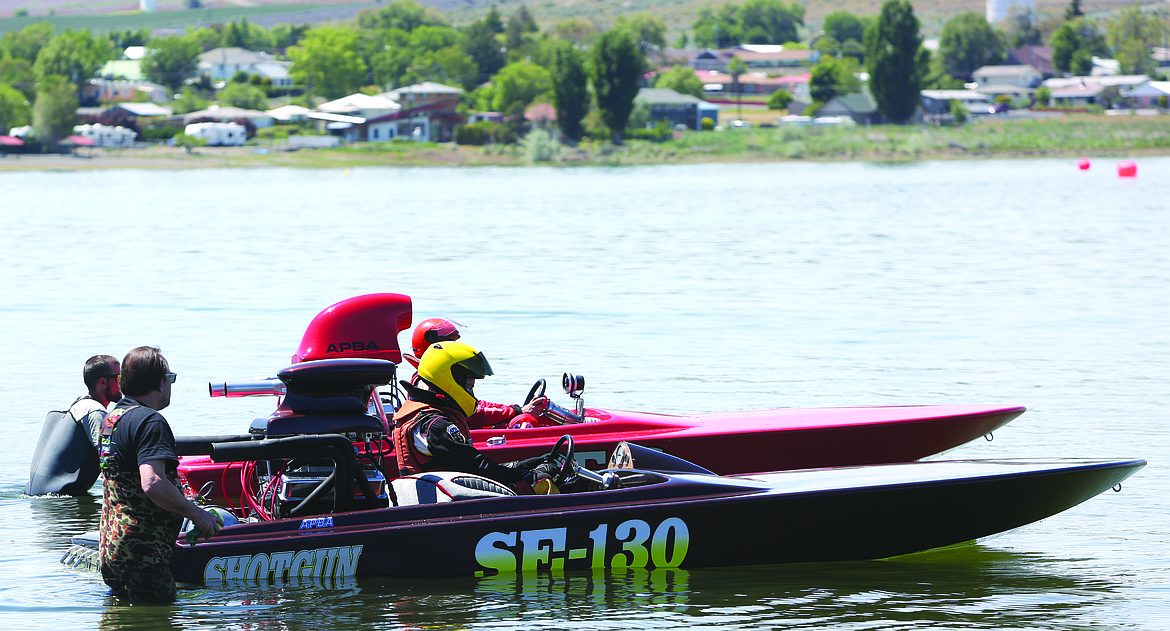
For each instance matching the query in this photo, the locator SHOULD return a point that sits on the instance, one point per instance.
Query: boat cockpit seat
(445, 486)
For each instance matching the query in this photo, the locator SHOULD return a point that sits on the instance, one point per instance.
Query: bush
(477, 134)
(189, 142)
(779, 100)
(959, 111)
(1043, 95)
(160, 133)
(540, 146)
(707, 123)
(659, 133)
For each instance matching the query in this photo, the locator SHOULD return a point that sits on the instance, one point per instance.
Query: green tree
(285, 35)
(1021, 29)
(770, 21)
(520, 24)
(895, 60)
(579, 31)
(570, 89)
(448, 65)
(14, 108)
(1079, 38)
(55, 107)
(189, 101)
(968, 43)
(328, 61)
(520, 84)
(207, 38)
(616, 73)
(75, 55)
(832, 77)
(406, 15)
(494, 21)
(189, 143)
(242, 34)
(717, 28)
(681, 79)
(244, 95)
(1073, 11)
(844, 26)
(19, 74)
(779, 100)
(1133, 34)
(481, 43)
(649, 30)
(171, 60)
(735, 68)
(27, 42)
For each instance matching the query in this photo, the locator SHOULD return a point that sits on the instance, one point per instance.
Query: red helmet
(430, 331)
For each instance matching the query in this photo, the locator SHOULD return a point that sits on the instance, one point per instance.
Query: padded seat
(446, 486)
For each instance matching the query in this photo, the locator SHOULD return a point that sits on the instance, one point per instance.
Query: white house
(1023, 76)
(222, 64)
(1148, 94)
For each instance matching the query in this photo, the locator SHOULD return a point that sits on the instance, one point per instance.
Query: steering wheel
(536, 391)
(568, 471)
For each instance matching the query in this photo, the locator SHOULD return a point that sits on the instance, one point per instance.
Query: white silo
(147, 5)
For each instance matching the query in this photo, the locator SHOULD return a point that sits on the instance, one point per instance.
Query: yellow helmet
(453, 367)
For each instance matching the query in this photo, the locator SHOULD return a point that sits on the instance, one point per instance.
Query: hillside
(678, 14)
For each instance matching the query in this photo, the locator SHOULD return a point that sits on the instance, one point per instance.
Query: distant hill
(107, 15)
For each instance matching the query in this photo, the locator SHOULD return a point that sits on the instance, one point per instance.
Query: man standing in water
(65, 461)
(144, 507)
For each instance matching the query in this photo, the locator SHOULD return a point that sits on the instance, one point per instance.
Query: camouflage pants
(137, 537)
(140, 583)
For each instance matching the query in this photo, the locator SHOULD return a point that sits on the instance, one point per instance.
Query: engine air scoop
(362, 327)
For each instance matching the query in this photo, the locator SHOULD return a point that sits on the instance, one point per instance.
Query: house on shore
(677, 109)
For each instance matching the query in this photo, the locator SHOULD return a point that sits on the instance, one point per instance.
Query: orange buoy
(1126, 168)
(1083, 164)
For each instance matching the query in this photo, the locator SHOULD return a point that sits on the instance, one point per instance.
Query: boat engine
(324, 449)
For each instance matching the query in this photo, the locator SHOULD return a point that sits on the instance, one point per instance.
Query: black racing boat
(646, 510)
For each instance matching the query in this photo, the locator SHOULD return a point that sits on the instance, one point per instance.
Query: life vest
(411, 461)
(107, 449)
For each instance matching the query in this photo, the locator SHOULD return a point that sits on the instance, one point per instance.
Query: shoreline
(1066, 137)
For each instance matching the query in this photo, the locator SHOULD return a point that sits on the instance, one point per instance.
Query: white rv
(218, 134)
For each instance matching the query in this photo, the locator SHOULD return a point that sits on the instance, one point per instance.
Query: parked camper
(218, 134)
(107, 135)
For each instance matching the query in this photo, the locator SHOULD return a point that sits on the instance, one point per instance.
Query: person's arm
(160, 491)
(454, 452)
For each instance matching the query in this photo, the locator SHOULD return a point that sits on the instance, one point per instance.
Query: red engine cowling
(363, 326)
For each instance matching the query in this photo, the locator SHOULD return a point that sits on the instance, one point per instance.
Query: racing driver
(431, 432)
(486, 414)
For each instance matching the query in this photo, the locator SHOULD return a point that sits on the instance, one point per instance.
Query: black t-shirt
(142, 435)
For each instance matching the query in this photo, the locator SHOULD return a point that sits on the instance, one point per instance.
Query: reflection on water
(958, 588)
(60, 518)
(847, 284)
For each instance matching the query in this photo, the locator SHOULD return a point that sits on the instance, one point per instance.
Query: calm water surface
(677, 289)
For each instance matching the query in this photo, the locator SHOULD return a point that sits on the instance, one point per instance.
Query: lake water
(677, 289)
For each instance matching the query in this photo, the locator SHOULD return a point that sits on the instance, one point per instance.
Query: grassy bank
(1071, 136)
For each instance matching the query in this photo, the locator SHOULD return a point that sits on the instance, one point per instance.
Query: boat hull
(686, 521)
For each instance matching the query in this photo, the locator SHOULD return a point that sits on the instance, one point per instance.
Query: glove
(528, 464)
(547, 470)
(535, 406)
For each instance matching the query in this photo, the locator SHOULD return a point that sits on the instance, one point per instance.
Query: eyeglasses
(170, 376)
(117, 377)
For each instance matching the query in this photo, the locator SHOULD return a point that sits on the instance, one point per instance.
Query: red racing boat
(349, 355)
